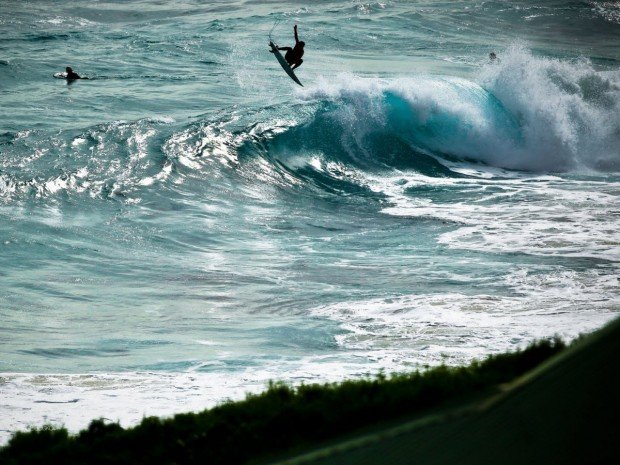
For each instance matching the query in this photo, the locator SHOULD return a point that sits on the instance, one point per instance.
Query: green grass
(279, 420)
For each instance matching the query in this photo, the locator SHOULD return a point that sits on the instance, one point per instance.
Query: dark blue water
(188, 223)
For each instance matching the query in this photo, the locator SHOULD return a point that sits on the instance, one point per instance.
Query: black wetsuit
(293, 55)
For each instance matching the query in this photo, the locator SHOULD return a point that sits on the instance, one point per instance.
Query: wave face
(528, 113)
(188, 224)
(401, 124)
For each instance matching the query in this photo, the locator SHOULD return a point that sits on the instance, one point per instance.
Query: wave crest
(528, 113)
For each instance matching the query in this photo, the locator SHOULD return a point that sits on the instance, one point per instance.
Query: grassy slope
(567, 411)
(278, 420)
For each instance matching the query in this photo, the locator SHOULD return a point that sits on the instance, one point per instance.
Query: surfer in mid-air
(293, 55)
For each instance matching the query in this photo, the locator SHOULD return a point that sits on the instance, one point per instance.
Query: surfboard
(283, 63)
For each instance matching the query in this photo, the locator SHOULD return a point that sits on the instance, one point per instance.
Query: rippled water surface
(188, 223)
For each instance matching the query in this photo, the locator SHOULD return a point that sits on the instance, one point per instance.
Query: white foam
(422, 329)
(610, 11)
(538, 215)
(74, 400)
(551, 115)
(569, 112)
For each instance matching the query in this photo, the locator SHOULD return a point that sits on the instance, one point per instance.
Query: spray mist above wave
(530, 113)
(569, 111)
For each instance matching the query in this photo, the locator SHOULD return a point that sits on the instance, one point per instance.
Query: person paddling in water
(72, 75)
(293, 55)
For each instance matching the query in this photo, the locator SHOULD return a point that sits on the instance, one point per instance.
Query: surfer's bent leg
(298, 64)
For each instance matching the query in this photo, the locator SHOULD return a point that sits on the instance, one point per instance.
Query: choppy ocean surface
(189, 224)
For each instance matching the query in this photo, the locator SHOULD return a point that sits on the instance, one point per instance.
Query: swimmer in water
(72, 75)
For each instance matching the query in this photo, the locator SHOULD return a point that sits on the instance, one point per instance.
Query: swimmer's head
(68, 69)
(492, 56)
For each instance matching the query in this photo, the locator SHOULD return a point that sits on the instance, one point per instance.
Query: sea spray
(559, 116)
(569, 112)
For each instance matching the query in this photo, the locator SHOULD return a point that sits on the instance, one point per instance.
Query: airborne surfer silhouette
(293, 55)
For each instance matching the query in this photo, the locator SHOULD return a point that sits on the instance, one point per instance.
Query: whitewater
(188, 224)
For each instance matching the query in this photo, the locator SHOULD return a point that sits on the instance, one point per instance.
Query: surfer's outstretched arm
(295, 29)
(285, 48)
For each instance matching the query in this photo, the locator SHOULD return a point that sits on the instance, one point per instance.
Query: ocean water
(189, 224)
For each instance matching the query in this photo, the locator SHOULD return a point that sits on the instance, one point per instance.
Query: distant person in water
(293, 55)
(72, 75)
(492, 56)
